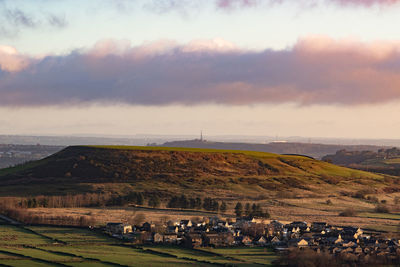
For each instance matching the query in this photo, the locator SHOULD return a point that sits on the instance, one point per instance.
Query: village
(249, 231)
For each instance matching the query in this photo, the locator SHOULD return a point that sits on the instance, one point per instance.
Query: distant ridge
(308, 149)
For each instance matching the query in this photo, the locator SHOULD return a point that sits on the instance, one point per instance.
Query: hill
(170, 171)
(383, 161)
(313, 150)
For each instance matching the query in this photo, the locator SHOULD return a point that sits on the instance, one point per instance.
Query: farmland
(55, 246)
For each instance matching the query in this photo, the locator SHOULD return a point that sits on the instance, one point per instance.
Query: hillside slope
(386, 161)
(170, 170)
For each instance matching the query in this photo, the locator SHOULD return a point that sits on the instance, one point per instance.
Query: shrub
(382, 209)
(154, 202)
(362, 193)
(349, 212)
(373, 199)
(329, 202)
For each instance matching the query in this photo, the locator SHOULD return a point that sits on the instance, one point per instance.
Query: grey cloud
(57, 21)
(19, 18)
(303, 75)
(13, 20)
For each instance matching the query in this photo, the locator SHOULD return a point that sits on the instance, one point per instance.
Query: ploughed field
(55, 246)
(168, 171)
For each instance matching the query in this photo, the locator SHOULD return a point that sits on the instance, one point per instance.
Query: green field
(59, 246)
(392, 161)
(198, 255)
(73, 236)
(253, 255)
(391, 216)
(121, 255)
(13, 236)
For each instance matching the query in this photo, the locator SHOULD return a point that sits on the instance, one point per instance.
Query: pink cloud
(11, 60)
(366, 2)
(234, 3)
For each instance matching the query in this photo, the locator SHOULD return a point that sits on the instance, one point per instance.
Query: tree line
(138, 198)
(209, 204)
(26, 217)
(254, 210)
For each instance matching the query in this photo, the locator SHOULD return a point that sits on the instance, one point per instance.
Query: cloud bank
(315, 70)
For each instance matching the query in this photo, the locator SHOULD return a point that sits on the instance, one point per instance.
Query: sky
(312, 68)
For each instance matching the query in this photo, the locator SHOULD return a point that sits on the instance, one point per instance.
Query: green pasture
(249, 255)
(37, 246)
(13, 235)
(121, 255)
(73, 235)
(391, 216)
(194, 254)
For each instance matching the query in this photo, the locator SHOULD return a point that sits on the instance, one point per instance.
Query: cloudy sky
(314, 68)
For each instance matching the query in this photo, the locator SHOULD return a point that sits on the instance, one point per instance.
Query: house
(148, 226)
(261, 241)
(318, 226)
(237, 232)
(275, 240)
(193, 240)
(245, 221)
(172, 223)
(172, 229)
(223, 224)
(274, 228)
(358, 250)
(351, 232)
(199, 229)
(118, 228)
(186, 224)
(158, 238)
(346, 250)
(298, 242)
(349, 243)
(301, 225)
(302, 243)
(336, 240)
(170, 238)
(218, 239)
(358, 233)
(247, 241)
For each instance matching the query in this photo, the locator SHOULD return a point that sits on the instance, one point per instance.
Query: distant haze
(142, 140)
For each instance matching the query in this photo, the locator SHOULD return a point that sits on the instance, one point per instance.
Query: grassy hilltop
(232, 173)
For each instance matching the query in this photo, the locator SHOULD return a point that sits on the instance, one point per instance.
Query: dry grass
(105, 215)
(308, 209)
